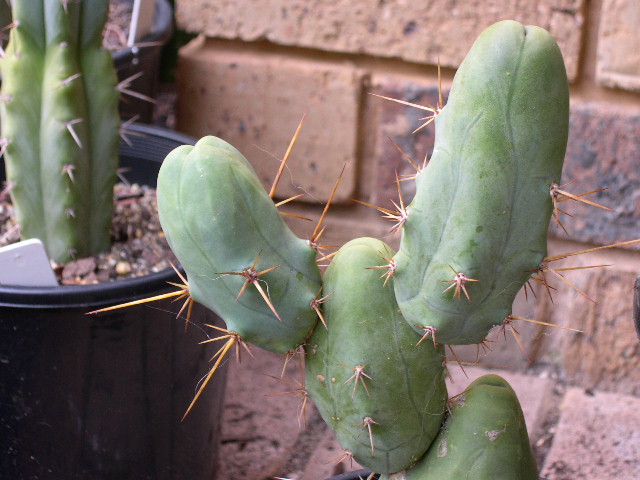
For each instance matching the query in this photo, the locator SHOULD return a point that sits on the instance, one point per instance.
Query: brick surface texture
(618, 40)
(392, 138)
(603, 152)
(605, 356)
(260, 429)
(598, 437)
(255, 101)
(419, 32)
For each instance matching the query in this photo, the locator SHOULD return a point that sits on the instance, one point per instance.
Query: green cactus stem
(483, 438)
(241, 259)
(60, 125)
(477, 226)
(383, 395)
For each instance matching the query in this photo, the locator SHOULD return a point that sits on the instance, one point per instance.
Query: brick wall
(259, 66)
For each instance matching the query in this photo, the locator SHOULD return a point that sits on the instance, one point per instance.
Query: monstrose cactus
(60, 124)
(472, 236)
(482, 206)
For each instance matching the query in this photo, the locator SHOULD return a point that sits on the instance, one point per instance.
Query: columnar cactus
(60, 124)
(482, 206)
(472, 236)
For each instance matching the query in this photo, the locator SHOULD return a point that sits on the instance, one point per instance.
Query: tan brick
(255, 100)
(603, 152)
(618, 40)
(418, 32)
(605, 356)
(597, 437)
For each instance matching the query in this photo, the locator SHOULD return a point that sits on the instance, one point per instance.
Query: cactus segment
(59, 85)
(482, 206)
(383, 395)
(484, 438)
(220, 222)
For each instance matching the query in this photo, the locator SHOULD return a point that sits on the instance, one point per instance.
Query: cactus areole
(482, 206)
(60, 125)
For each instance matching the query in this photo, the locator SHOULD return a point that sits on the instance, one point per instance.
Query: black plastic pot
(144, 59)
(102, 396)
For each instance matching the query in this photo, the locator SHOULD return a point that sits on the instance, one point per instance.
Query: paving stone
(597, 437)
(618, 39)
(255, 101)
(324, 462)
(260, 428)
(420, 32)
(534, 393)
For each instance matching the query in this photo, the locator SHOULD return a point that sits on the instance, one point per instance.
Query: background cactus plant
(472, 237)
(60, 124)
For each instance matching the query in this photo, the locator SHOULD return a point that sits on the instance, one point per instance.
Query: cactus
(59, 85)
(384, 396)
(482, 207)
(472, 236)
(484, 438)
(227, 234)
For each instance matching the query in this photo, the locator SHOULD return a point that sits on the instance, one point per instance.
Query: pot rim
(156, 143)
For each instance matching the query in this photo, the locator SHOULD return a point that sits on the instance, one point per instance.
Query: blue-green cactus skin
(481, 213)
(482, 206)
(483, 438)
(405, 395)
(218, 219)
(57, 82)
